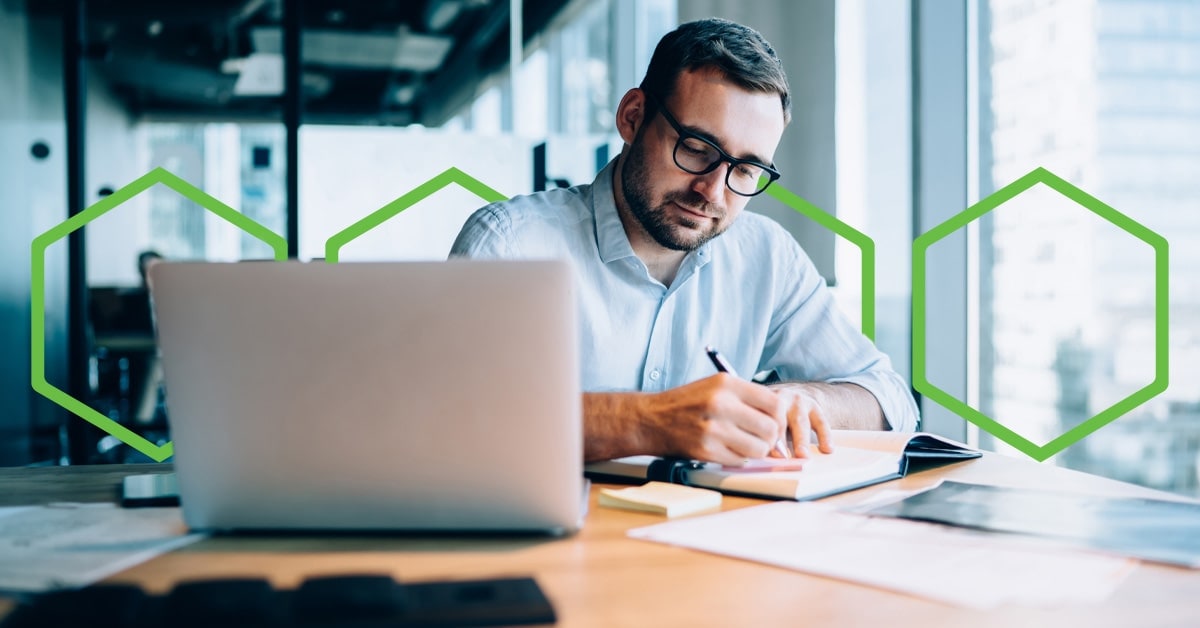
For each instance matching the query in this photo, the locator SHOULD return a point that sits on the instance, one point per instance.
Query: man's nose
(712, 185)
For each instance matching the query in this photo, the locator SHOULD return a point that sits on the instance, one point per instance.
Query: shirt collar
(611, 239)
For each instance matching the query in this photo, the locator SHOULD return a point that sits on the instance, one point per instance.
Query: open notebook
(860, 458)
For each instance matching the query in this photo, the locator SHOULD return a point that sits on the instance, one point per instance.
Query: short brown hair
(739, 52)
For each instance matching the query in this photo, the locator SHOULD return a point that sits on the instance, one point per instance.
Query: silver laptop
(373, 396)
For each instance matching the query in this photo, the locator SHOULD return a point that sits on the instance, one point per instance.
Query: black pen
(718, 361)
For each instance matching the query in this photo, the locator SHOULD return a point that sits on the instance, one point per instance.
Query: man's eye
(693, 147)
(747, 171)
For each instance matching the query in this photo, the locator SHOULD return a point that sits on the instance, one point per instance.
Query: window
(873, 165)
(1105, 94)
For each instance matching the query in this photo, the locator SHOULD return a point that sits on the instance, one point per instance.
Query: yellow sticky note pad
(672, 500)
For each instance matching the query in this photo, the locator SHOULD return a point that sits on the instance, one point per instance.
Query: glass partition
(391, 96)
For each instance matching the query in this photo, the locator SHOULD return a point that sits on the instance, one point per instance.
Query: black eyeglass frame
(684, 134)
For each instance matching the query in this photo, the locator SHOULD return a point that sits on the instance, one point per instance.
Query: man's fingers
(801, 425)
(763, 399)
(810, 418)
(734, 448)
(746, 445)
(805, 417)
(821, 426)
(742, 420)
(755, 409)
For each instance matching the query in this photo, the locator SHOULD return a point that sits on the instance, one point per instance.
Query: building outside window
(1106, 94)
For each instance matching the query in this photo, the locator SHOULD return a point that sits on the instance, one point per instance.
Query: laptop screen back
(397, 396)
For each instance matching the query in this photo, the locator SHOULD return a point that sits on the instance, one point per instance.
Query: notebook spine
(673, 470)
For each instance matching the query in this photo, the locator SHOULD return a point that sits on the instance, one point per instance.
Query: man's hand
(843, 406)
(804, 418)
(720, 419)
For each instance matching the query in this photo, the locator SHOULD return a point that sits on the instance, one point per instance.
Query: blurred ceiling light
(441, 13)
(261, 75)
(404, 94)
(233, 66)
(418, 52)
(403, 50)
(315, 84)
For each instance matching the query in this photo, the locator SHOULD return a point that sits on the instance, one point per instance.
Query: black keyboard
(366, 601)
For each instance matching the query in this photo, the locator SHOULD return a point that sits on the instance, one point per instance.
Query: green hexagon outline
(864, 243)
(38, 293)
(1161, 314)
(334, 244)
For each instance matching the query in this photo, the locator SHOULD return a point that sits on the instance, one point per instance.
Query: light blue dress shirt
(751, 292)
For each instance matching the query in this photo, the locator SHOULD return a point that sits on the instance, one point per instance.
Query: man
(668, 263)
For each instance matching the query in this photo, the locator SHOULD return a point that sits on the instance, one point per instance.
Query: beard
(670, 232)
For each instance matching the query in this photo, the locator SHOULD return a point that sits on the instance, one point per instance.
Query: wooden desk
(600, 578)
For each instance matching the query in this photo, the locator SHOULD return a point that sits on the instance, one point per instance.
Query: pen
(723, 366)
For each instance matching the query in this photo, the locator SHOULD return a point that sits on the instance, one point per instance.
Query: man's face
(682, 211)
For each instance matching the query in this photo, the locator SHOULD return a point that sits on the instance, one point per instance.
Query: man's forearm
(612, 426)
(845, 406)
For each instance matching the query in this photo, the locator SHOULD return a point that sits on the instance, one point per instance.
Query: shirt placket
(654, 375)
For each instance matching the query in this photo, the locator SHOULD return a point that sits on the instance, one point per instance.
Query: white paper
(881, 497)
(72, 545)
(958, 567)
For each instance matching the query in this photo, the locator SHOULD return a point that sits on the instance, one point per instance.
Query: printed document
(72, 545)
(953, 566)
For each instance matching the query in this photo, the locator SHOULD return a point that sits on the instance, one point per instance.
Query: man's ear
(630, 114)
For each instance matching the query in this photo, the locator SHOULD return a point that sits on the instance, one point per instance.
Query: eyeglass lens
(696, 156)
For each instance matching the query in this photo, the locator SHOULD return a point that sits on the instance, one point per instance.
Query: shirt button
(654, 375)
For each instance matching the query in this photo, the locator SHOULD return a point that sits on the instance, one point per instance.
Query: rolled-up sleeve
(810, 339)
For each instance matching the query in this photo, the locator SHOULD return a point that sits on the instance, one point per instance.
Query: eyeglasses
(697, 155)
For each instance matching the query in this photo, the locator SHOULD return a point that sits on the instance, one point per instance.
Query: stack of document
(72, 545)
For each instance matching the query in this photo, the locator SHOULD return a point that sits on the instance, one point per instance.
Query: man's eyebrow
(716, 140)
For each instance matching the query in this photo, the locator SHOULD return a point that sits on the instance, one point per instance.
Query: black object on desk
(364, 601)
(1148, 529)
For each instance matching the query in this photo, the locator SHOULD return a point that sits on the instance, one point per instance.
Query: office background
(905, 114)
